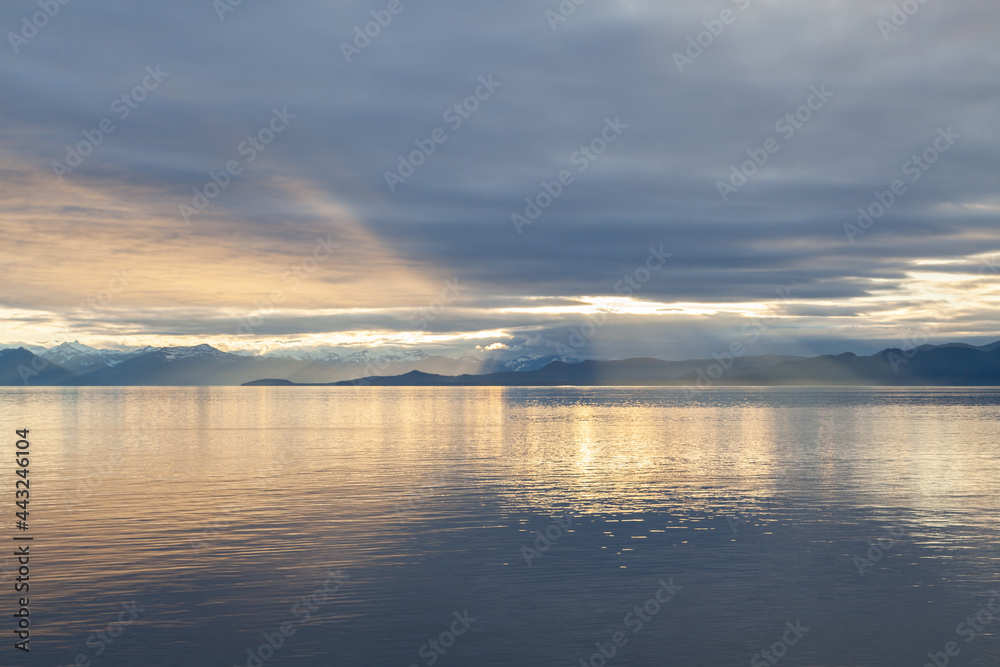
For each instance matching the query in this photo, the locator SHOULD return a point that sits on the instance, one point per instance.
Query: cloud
(324, 176)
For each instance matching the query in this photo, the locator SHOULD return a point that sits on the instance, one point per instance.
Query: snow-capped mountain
(197, 352)
(185, 365)
(207, 365)
(385, 357)
(75, 356)
(534, 362)
(34, 349)
(81, 358)
(329, 356)
(322, 356)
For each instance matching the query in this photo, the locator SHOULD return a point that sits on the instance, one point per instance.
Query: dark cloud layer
(888, 98)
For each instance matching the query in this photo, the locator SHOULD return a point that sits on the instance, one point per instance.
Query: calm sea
(503, 526)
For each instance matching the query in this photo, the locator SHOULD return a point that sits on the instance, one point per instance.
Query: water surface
(866, 518)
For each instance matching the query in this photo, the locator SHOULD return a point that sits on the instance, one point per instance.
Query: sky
(609, 179)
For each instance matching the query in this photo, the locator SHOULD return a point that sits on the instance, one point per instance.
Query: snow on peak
(75, 346)
(67, 352)
(384, 356)
(189, 352)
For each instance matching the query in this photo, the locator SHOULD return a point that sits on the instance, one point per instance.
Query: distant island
(73, 364)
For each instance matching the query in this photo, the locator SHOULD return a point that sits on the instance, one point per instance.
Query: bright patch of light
(623, 305)
(993, 208)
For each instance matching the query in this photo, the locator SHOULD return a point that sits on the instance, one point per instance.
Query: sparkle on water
(555, 518)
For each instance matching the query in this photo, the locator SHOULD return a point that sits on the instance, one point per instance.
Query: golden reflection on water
(209, 495)
(597, 450)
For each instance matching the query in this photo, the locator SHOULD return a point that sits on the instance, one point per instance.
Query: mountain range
(72, 363)
(955, 364)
